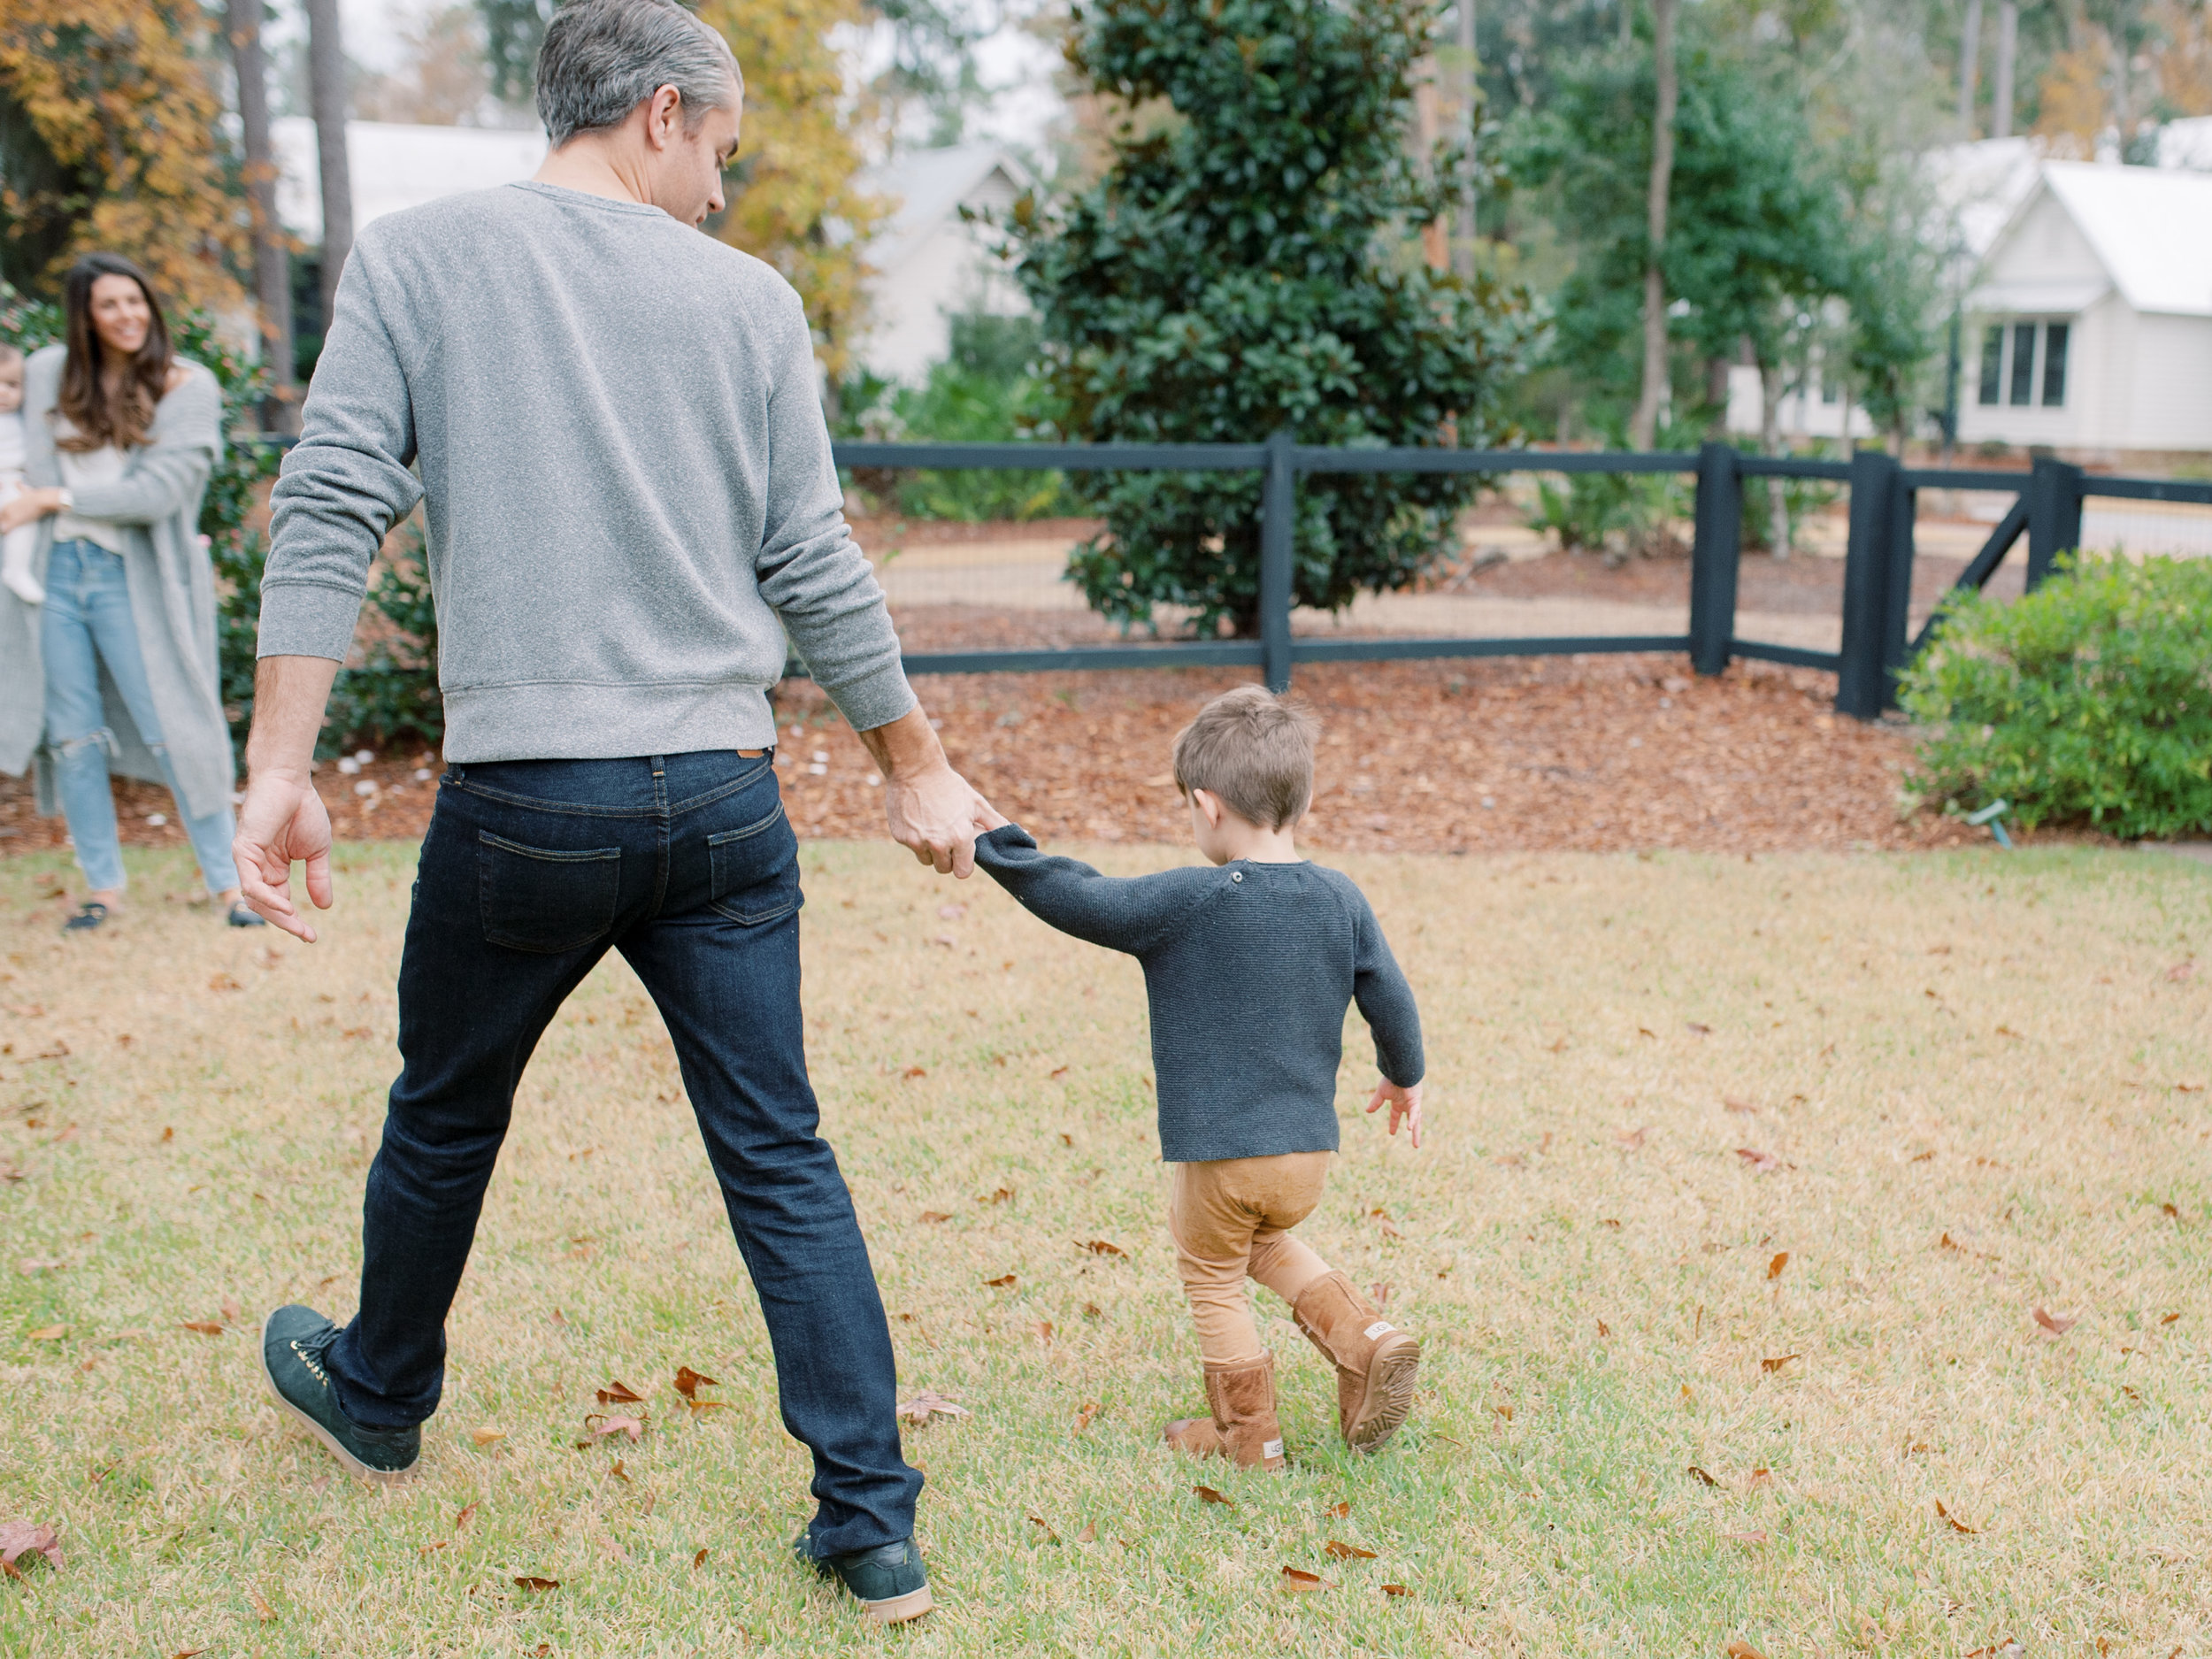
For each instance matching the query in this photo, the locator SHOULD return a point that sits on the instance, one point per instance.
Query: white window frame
(2039, 363)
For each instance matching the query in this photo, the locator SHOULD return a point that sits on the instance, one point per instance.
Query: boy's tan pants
(1231, 1218)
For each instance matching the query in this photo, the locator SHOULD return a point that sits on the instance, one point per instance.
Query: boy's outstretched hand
(1405, 1106)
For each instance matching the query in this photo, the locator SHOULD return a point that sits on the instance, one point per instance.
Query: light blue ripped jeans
(88, 621)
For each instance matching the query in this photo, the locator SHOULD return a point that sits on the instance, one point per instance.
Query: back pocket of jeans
(536, 898)
(755, 870)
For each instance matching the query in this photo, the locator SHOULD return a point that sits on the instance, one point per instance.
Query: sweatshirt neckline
(586, 198)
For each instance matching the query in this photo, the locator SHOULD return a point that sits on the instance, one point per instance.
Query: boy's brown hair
(1254, 751)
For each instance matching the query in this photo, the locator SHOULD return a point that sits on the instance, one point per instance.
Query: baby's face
(11, 387)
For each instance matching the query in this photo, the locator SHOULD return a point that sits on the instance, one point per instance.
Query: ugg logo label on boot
(1378, 1328)
(1271, 1448)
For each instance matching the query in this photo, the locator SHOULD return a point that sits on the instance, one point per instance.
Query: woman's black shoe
(90, 915)
(243, 915)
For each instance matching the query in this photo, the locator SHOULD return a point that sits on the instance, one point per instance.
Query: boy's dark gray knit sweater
(1248, 969)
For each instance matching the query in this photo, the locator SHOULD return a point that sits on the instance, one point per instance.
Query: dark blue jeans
(685, 864)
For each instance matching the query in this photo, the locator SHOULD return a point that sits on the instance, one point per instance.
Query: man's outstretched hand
(931, 808)
(1404, 1103)
(283, 819)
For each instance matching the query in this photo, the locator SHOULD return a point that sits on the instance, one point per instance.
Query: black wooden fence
(1877, 568)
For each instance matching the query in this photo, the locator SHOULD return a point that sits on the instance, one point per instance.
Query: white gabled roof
(929, 187)
(2150, 227)
(395, 166)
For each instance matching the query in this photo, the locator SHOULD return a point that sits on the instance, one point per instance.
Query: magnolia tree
(1250, 261)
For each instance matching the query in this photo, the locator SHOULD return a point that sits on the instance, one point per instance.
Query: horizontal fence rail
(1877, 560)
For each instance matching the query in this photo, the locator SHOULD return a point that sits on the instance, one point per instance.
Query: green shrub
(2088, 700)
(982, 393)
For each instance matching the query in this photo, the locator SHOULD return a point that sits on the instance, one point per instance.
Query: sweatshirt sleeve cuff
(307, 619)
(875, 697)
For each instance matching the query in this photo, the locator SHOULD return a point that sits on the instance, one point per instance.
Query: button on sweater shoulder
(1248, 969)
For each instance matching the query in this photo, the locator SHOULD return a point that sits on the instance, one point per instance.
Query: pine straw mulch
(1595, 754)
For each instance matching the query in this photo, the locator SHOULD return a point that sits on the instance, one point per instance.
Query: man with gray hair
(611, 425)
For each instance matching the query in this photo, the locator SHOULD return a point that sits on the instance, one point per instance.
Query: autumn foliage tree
(117, 142)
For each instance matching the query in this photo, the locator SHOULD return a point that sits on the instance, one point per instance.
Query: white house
(925, 264)
(395, 166)
(2089, 325)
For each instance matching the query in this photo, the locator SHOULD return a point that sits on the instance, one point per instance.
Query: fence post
(2054, 514)
(1897, 583)
(1862, 682)
(1279, 506)
(1714, 553)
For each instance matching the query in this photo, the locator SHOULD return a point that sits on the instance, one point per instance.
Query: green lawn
(1978, 1082)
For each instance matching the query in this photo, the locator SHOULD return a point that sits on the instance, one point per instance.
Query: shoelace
(311, 1351)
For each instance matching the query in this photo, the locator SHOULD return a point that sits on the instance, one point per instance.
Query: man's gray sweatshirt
(625, 473)
(1248, 969)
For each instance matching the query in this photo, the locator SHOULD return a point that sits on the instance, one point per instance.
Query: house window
(2054, 365)
(2019, 357)
(2022, 382)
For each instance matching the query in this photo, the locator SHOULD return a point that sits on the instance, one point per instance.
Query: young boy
(17, 546)
(1249, 966)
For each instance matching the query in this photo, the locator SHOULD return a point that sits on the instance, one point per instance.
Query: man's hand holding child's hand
(1405, 1106)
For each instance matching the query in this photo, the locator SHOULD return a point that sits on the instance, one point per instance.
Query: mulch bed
(1594, 754)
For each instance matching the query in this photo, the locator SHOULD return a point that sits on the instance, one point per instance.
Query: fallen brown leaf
(1741, 1107)
(1004, 1194)
(619, 1472)
(467, 1514)
(2054, 1324)
(1043, 1330)
(1296, 1581)
(1761, 1477)
(688, 1382)
(1342, 1507)
(1396, 1589)
(1604, 1329)
(928, 1404)
(1702, 1477)
(1101, 1246)
(1207, 1494)
(530, 1581)
(487, 1436)
(1953, 1521)
(634, 1427)
(21, 1538)
(1089, 1534)
(1745, 1537)
(1343, 1551)
(1058, 1071)
(934, 1215)
(699, 1556)
(430, 1548)
(2169, 1319)
(1633, 1139)
(1761, 1163)
(1378, 1293)
(618, 1393)
(261, 1609)
(914, 1071)
(1777, 1362)
(1004, 1281)
(1781, 1259)
(205, 1327)
(1742, 1650)
(1039, 1521)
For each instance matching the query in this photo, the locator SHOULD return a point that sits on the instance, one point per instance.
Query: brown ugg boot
(1243, 1427)
(1376, 1362)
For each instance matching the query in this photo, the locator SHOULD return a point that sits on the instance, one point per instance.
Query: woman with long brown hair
(118, 664)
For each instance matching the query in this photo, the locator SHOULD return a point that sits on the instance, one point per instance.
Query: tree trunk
(2007, 52)
(1645, 429)
(1969, 65)
(1471, 93)
(272, 259)
(1771, 443)
(326, 93)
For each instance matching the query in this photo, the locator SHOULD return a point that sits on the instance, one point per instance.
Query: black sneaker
(888, 1581)
(293, 1343)
(244, 915)
(90, 914)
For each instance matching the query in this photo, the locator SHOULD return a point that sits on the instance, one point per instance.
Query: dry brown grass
(1967, 1069)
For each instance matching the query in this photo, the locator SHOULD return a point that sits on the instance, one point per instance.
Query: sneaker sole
(352, 1466)
(1391, 1378)
(897, 1609)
